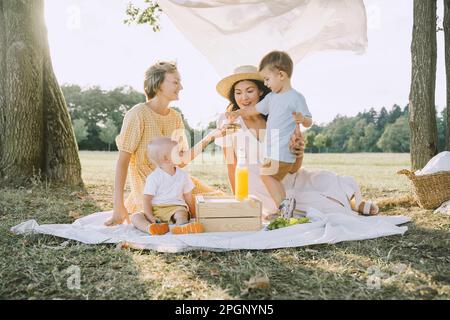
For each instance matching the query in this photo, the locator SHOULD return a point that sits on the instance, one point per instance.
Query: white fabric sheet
(324, 228)
(230, 33)
(444, 208)
(439, 163)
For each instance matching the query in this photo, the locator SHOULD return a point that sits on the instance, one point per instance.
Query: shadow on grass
(232, 273)
(422, 249)
(414, 266)
(47, 267)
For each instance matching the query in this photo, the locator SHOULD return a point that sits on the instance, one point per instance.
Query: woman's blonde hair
(154, 77)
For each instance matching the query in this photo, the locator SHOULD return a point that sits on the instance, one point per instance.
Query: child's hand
(218, 133)
(150, 217)
(298, 117)
(180, 156)
(301, 119)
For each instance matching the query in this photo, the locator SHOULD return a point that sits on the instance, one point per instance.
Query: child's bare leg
(275, 189)
(182, 226)
(140, 222)
(180, 217)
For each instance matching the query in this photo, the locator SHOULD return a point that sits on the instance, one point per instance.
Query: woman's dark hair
(261, 87)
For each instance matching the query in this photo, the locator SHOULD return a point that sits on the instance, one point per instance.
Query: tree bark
(447, 68)
(422, 110)
(36, 134)
(2, 76)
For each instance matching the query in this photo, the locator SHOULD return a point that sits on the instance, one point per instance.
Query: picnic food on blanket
(241, 177)
(193, 227)
(281, 222)
(232, 126)
(232, 116)
(226, 214)
(158, 228)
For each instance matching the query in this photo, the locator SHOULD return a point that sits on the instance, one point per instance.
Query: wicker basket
(430, 190)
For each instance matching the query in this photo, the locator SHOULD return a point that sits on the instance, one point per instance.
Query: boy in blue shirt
(280, 105)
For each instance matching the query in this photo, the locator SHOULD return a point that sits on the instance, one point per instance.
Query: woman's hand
(118, 217)
(218, 133)
(297, 144)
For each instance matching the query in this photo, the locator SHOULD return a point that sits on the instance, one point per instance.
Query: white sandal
(363, 207)
(367, 208)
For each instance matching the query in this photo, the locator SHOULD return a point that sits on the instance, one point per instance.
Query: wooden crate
(220, 214)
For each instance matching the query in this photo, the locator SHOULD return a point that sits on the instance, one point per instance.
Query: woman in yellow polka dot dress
(143, 123)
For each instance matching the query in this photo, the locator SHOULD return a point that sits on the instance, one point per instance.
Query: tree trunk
(36, 134)
(422, 110)
(447, 68)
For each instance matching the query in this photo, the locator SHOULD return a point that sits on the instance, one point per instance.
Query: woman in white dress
(322, 190)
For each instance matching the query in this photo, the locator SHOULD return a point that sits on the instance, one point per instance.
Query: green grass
(413, 266)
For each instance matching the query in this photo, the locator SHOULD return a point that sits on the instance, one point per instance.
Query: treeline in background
(97, 117)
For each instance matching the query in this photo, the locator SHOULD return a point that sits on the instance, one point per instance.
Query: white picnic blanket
(323, 228)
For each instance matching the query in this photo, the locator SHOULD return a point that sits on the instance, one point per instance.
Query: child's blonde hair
(159, 148)
(278, 60)
(154, 77)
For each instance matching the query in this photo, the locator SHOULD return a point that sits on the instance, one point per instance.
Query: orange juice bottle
(241, 177)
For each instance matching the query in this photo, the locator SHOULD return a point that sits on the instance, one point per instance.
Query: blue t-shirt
(281, 123)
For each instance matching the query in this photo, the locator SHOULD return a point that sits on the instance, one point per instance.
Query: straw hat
(240, 73)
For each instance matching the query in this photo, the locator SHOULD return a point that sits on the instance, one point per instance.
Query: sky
(90, 45)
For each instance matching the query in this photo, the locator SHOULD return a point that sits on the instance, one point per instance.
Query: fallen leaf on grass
(31, 286)
(58, 247)
(79, 195)
(74, 215)
(426, 292)
(258, 282)
(399, 268)
(204, 254)
(122, 245)
(214, 272)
